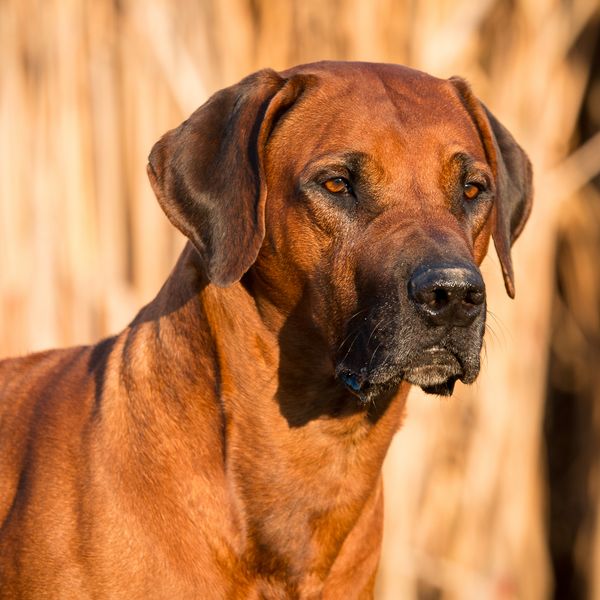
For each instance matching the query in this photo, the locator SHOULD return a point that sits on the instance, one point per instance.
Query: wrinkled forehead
(383, 110)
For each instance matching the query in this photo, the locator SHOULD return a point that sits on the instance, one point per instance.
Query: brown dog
(229, 442)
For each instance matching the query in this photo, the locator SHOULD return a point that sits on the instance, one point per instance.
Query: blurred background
(493, 493)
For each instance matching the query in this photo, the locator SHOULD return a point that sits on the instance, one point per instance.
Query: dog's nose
(447, 295)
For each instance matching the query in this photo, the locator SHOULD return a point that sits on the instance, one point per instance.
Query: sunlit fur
(211, 449)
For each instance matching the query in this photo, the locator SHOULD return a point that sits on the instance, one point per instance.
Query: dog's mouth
(435, 370)
(363, 386)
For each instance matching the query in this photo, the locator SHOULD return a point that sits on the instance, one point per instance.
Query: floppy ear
(208, 173)
(512, 170)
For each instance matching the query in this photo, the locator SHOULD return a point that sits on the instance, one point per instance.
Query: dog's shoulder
(21, 375)
(34, 387)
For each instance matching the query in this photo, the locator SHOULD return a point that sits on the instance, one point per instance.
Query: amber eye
(471, 190)
(337, 185)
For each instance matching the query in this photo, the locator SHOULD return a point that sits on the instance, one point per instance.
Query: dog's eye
(472, 189)
(338, 185)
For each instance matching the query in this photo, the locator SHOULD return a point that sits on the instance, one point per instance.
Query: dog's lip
(368, 390)
(360, 385)
(434, 369)
(355, 381)
(433, 366)
(437, 369)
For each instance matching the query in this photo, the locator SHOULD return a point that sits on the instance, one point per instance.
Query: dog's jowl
(229, 442)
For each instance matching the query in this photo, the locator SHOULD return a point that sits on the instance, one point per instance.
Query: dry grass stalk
(86, 88)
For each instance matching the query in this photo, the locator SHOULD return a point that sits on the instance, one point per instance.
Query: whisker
(378, 345)
(484, 352)
(350, 347)
(375, 329)
(354, 331)
(385, 359)
(491, 332)
(362, 310)
(373, 355)
(502, 330)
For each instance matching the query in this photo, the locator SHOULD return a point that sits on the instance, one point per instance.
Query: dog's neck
(278, 425)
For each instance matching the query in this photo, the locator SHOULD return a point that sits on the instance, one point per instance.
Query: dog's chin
(434, 370)
(434, 379)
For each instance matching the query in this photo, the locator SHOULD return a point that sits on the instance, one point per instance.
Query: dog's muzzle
(433, 337)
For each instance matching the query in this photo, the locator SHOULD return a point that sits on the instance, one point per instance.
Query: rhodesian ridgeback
(229, 442)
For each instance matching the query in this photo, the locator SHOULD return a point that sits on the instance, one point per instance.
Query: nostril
(436, 298)
(474, 297)
(431, 296)
(441, 298)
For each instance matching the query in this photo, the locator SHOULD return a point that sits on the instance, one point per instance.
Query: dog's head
(364, 193)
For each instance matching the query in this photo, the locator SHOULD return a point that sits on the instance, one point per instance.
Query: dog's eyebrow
(351, 159)
(468, 164)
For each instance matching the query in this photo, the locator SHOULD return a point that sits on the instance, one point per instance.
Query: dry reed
(87, 87)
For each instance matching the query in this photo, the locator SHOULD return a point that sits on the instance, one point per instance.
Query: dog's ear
(512, 170)
(208, 173)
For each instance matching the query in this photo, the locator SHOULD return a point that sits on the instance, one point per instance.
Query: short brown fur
(210, 449)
